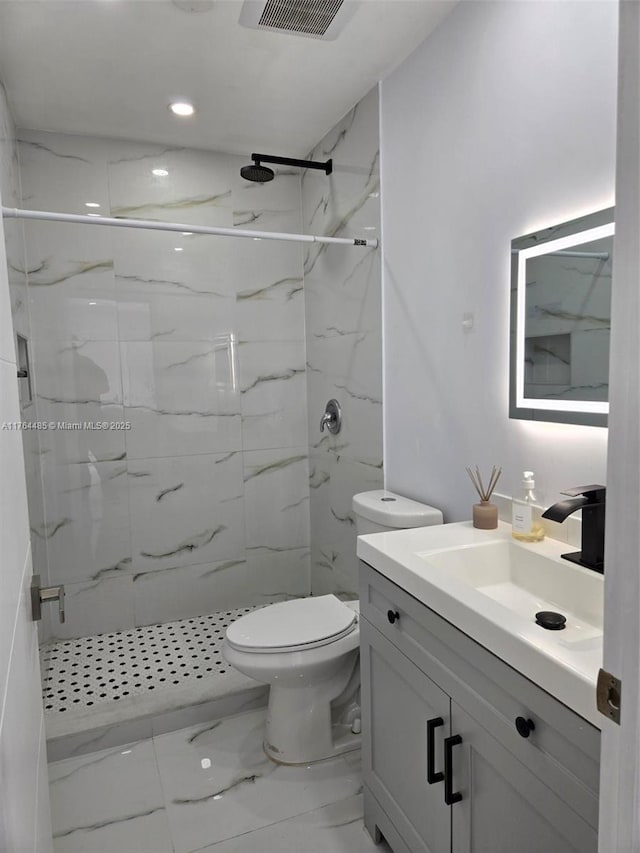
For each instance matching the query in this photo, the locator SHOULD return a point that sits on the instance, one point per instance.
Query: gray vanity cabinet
(504, 807)
(405, 700)
(423, 682)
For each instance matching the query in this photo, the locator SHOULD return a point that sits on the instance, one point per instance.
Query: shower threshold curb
(111, 689)
(144, 716)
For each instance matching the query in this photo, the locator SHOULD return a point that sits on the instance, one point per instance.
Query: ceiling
(111, 67)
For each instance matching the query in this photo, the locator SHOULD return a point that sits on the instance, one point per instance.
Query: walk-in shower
(131, 677)
(182, 479)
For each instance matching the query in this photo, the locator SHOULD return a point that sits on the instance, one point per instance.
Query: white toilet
(381, 511)
(307, 650)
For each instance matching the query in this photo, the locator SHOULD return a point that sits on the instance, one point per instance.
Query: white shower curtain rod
(153, 225)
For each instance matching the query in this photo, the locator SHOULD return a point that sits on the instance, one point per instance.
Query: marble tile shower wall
(344, 341)
(198, 343)
(15, 248)
(25, 822)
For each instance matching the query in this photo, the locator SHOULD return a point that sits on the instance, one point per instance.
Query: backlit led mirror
(561, 321)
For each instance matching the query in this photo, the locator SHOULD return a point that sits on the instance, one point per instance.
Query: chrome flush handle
(42, 594)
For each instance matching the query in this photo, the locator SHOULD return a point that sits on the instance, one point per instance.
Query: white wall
(502, 122)
(25, 825)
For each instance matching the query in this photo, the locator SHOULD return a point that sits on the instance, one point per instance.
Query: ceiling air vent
(318, 19)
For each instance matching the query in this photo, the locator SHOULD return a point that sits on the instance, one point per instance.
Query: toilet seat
(303, 623)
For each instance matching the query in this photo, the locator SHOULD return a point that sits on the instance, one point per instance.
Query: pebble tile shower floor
(93, 671)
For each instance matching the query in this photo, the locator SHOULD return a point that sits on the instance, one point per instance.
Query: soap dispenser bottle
(525, 526)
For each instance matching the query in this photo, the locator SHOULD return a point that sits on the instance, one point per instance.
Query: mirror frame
(562, 236)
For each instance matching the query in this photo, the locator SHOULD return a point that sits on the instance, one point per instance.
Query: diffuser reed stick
(485, 514)
(484, 494)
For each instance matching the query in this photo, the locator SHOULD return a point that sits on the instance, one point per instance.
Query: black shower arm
(327, 167)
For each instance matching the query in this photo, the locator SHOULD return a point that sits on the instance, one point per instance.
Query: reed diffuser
(485, 514)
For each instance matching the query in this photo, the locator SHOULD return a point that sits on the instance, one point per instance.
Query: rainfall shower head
(258, 173)
(261, 174)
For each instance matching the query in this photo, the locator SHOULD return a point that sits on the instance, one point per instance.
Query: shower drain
(79, 674)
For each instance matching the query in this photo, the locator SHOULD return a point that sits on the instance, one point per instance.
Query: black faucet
(591, 500)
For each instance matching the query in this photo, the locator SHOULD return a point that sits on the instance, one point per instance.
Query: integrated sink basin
(491, 587)
(525, 581)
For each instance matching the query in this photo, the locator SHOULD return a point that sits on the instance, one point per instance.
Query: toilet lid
(303, 622)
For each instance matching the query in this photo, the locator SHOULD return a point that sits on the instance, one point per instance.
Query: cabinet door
(504, 807)
(398, 701)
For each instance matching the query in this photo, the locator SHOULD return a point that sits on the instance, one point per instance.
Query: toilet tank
(381, 510)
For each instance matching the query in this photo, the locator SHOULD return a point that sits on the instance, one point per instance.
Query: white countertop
(566, 670)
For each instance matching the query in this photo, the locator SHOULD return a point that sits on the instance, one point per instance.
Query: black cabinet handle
(392, 615)
(524, 726)
(432, 775)
(450, 797)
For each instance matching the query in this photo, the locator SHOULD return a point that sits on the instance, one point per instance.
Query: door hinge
(609, 695)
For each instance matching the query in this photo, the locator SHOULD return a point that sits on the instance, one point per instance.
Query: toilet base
(344, 740)
(300, 727)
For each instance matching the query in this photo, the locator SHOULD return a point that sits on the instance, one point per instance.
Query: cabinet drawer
(563, 749)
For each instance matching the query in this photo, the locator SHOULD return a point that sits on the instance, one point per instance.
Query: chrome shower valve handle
(332, 417)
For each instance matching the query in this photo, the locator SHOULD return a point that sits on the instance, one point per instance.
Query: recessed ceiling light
(91, 204)
(178, 249)
(93, 303)
(93, 214)
(187, 233)
(182, 108)
(159, 173)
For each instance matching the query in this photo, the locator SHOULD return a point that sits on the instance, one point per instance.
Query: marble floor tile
(109, 802)
(336, 828)
(218, 783)
(207, 789)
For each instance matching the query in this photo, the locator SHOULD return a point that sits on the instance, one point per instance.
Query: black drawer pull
(392, 615)
(524, 726)
(450, 797)
(432, 775)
